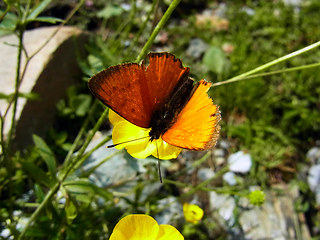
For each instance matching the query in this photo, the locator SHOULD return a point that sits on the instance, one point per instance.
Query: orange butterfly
(161, 98)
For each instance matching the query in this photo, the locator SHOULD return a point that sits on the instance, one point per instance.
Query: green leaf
(30, 96)
(36, 173)
(39, 193)
(110, 11)
(66, 146)
(36, 10)
(11, 2)
(8, 23)
(81, 104)
(63, 109)
(5, 96)
(52, 20)
(84, 190)
(46, 154)
(215, 60)
(71, 210)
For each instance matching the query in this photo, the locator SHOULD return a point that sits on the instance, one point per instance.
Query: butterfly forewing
(123, 88)
(163, 75)
(134, 91)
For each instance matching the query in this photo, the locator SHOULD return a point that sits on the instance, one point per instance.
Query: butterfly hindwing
(196, 126)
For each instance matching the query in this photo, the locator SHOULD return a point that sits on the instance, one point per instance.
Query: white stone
(240, 162)
(222, 203)
(314, 180)
(314, 155)
(230, 178)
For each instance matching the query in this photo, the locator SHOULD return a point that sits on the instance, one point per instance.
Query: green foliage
(216, 61)
(8, 24)
(110, 11)
(77, 105)
(46, 154)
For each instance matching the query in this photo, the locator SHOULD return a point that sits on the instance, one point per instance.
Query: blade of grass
(269, 64)
(271, 73)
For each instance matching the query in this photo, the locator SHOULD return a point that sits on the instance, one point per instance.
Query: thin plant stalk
(16, 89)
(269, 64)
(142, 28)
(124, 27)
(87, 154)
(157, 29)
(38, 210)
(74, 161)
(80, 134)
(313, 65)
(89, 172)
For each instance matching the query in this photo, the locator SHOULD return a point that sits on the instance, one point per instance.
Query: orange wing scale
(163, 74)
(196, 126)
(117, 86)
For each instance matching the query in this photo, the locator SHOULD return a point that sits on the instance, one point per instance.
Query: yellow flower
(143, 227)
(192, 213)
(124, 131)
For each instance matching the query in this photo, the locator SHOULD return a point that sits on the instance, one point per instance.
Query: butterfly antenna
(111, 146)
(159, 166)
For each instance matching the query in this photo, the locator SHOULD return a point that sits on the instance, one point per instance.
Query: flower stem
(157, 29)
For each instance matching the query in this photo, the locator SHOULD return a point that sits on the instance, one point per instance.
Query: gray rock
(196, 48)
(222, 203)
(205, 173)
(314, 155)
(48, 74)
(314, 181)
(172, 211)
(275, 219)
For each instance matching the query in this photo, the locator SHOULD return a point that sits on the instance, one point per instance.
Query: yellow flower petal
(167, 232)
(124, 132)
(114, 117)
(166, 150)
(128, 134)
(192, 213)
(136, 227)
(143, 227)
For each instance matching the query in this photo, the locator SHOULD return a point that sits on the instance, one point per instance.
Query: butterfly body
(163, 98)
(164, 117)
